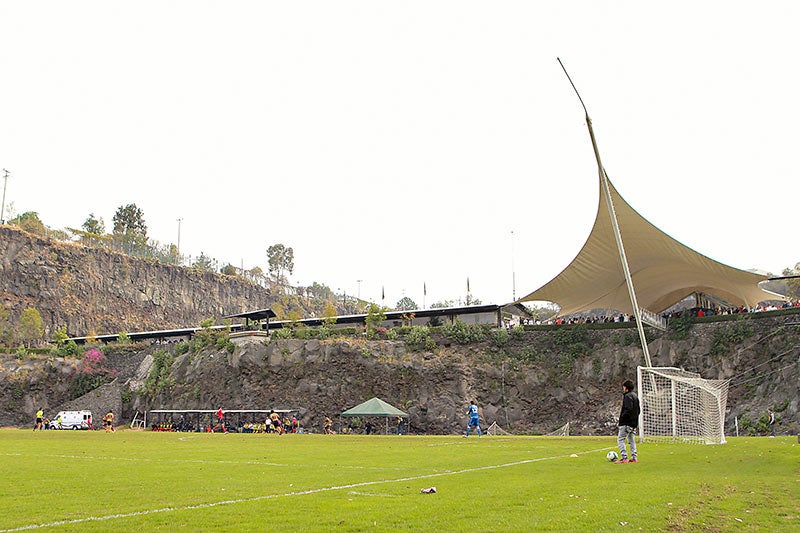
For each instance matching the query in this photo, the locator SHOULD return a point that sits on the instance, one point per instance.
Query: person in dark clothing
(628, 422)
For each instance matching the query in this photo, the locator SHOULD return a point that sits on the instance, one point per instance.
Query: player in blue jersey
(474, 421)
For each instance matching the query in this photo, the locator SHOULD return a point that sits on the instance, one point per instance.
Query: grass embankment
(131, 480)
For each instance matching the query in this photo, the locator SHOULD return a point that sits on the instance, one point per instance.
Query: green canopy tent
(375, 407)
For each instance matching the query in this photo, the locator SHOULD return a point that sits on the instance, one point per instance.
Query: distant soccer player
(474, 421)
(771, 422)
(108, 422)
(628, 422)
(221, 420)
(39, 418)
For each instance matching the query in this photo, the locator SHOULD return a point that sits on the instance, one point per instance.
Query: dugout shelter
(199, 419)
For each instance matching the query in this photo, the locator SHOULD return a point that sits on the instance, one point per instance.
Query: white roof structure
(663, 270)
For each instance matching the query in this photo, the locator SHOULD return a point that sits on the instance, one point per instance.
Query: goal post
(680, 406)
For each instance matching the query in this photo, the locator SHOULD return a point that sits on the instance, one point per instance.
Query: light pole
(3, 205)
(359, 287)
(513, 271)
(178, 246)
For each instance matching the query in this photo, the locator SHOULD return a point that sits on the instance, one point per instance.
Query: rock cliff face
(531, 382)
(95, 290)
(535, 383)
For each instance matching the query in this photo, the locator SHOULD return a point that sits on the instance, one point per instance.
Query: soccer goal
(495, 429)
(680, 406)
(563, 431)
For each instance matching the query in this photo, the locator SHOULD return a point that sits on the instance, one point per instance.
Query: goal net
(494, 429)
(677, 405)
(563, 431)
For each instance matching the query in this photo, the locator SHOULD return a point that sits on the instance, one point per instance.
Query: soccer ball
(612, 456)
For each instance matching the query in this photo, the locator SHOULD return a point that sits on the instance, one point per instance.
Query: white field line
(191, 461)
(380, 495)
(289, 494)
(140, 460)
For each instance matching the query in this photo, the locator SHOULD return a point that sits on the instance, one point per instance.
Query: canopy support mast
(615, 225)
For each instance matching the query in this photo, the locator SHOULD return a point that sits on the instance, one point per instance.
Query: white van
(72, 420)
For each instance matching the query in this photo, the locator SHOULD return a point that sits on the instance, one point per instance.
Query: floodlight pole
(513, 271)
(615, 225)
(3, 204)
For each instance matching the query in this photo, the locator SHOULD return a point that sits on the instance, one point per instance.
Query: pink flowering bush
(93, 374)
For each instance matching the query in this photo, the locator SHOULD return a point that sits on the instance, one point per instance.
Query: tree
(230, 270)
(793, 285)
(321, 291)
(406, 304)
(129, 227)
(542, 313)
(30, 222)
(60, 335)
(93, 225)
(471, 300)
(329, 315)
(204, 262)
(281, 260)
(31, 326)
(375, 316)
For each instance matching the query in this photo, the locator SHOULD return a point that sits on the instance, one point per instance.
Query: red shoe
(622, 461)
(633, 461)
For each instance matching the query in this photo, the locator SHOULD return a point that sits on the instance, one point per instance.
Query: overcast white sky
(401, 143)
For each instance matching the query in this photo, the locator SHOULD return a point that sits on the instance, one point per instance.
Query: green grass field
(133, 480)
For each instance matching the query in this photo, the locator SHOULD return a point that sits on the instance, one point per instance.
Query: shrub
(573, 340)
(518, 333)
(67, 349)
(92, 375)
(60, 335)
(182, 348)
(282, 333)
(21, 352)
(734, 333)
(159, 377)
(375, 316)
(208, 337)
(679, 327)
(417, 337)
(500, 336)
(462, 333)
(221, 342)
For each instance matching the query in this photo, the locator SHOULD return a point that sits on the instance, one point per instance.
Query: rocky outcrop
(96, 290)
(535, 383)
(530, 382)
